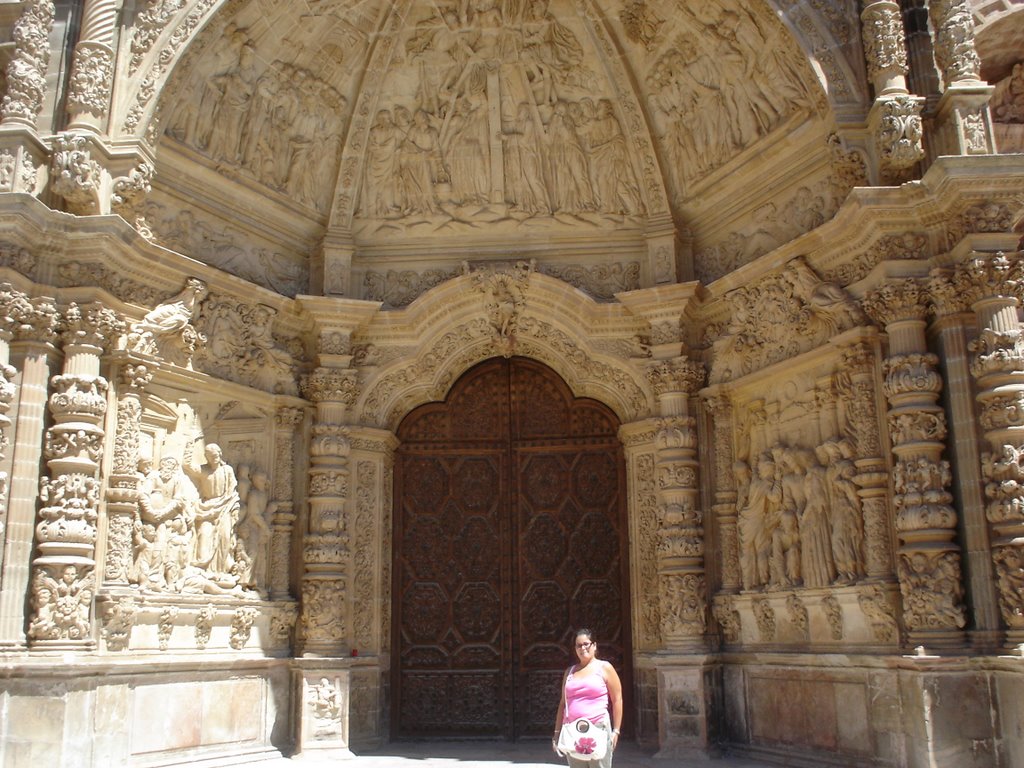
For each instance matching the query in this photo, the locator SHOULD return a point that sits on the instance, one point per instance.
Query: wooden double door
(510, 532)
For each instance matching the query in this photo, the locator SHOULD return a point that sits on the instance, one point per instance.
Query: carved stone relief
(226, 248)
(705, 82)
(790, 312)
(1007, 103)
(277, 124)
(26, 71)
(496, 113)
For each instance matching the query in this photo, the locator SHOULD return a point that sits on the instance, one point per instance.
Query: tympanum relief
(496, 112)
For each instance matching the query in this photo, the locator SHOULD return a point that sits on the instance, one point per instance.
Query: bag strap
(565, 682)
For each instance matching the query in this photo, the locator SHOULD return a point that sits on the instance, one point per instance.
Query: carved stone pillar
(20, 145)
(63, 574)
(720, 406)
(928, 554)
(963, 123)
(8, 389)
(123, 482)
(327, 554)
(32, 351)
(681, 576)
(857, 390)
(287, 423)
(993, 286)
(92, 67)
(895, 117)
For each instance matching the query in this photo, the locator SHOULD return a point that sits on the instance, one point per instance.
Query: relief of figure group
(799, 517)
(200, 529)
(501, 113)
(280, 124)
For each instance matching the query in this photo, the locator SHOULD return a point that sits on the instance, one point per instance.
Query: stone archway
(510, 530)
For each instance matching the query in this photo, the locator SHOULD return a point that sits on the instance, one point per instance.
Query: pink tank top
(586, 696)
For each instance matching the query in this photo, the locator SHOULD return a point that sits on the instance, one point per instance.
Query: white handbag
(583, 740)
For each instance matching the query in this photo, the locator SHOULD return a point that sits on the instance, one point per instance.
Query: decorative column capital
(77, 177)
(337, 385)
(897, 300)
(36, 320)
(988, 276)
(90, 325)
(680, 375)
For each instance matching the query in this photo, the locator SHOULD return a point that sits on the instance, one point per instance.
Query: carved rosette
(884, 48)
(123, 483)
(955, 52)
(63, 580)
(680, 548)
(993, 285)
(928, 565)
(26, 71)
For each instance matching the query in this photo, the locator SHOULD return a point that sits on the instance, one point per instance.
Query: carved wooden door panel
(509, 532)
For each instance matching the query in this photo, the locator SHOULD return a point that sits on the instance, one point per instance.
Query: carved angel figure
(62, 606)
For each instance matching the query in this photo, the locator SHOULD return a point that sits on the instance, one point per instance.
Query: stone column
(34, 323)
(8, 389)
(895, 117)
(92, 67)
(963, 123)
(324, 623)
(923, 77)
(681, 577)
(26, 92)
(928, 564)
(123, 482)
(720, 407)
(993, 286)
(287, 426)
(857, 389)
(63, 573)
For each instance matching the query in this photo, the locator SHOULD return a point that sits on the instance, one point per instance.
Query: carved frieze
(785, 314)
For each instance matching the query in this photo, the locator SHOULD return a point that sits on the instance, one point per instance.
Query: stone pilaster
(287, 426)
(681, 576)
(993, 286)
(63, 573)
(928, 562)
(963, 123)
(857, 389)
(34, 323)
(92, 67)
(123, 482)
(720, 407)
(895, 117)
(8, 389)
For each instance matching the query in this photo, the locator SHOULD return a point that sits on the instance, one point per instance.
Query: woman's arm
(611, 679)
(559, 714)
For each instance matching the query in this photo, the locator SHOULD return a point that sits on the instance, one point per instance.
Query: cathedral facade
(354, 354)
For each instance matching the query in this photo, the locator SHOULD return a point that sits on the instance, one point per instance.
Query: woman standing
(590, 689)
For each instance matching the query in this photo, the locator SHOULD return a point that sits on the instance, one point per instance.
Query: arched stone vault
(451, 328)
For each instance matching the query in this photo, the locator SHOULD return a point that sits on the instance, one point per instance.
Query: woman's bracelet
(615, 731)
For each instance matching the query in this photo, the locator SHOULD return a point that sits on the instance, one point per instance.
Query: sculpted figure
(524, 162)
(468, 153)
(755, 523)
(164, 526)
(216, 512)
(380, 196)
(815, 536)
(614, 182)
(236, 87)
(570, 180)
(254, 533)
(419, 162)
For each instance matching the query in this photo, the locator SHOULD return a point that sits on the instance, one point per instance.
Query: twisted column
(92, 67)
(993, 286)
(681, 576)
(928, 564)
(63, 574)
(123, 482)
(895, 117)
(963, 123)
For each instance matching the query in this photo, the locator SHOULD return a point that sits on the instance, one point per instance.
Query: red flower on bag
(585, 746)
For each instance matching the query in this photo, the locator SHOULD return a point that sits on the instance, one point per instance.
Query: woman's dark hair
(584, 631)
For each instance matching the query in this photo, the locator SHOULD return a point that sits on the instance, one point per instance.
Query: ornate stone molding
(76, 176)
(884, 46)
